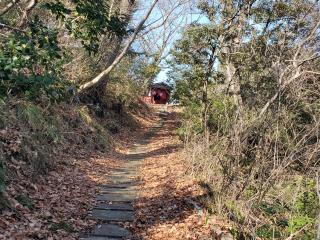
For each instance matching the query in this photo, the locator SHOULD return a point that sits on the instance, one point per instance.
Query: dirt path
(114, 202)
(165, 209)
(138, 190)
(149, 196)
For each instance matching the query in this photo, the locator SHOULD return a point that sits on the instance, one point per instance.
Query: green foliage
(147, 71)
(32, 60)
(235, 211)
(30, 63)
(286, 218)
(63, 225)
(36, 120)
(25, 201)
(221, 111)
(267, 232)
(129, 81)
(305, 211)
(192, 124)
(298, 222)
(32, 115)
(87, 21)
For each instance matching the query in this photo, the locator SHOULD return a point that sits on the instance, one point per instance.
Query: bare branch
(26, 12)
(2, 25)
(296, 67)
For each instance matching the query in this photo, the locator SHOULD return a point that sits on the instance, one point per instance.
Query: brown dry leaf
(161, 210)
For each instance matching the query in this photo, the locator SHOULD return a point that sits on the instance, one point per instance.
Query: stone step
(133, 164)
(136, 156)
(110, 230)
(124, 170)
(124, 174)
(115, 206)
(118, 191)
(112, 215)
(90, 237)
(120, 178)
(127, 185)
(117, 197)
(120, 182)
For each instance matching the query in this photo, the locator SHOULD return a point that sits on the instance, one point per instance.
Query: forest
(243, 122)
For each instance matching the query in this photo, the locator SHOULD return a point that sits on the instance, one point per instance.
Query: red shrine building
(158, 93)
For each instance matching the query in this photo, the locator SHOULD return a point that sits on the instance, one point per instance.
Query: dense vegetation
(48, 50)
(248, 78)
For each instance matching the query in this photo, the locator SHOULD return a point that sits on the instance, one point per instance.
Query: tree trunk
(205, 96)
(205, 109)
(101, 78)
(234, 90)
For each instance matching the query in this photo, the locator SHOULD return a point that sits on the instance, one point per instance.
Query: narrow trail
(114, 210)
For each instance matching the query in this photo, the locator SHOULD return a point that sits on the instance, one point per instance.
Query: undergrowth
(37, 136)
(287, 208)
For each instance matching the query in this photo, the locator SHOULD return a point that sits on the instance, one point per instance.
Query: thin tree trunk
(101, 78)
(205, 110)
(111, 8)
(205, 96)
(26, 12)
(234, 89)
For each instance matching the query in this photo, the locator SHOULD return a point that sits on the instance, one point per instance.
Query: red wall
(159, 96)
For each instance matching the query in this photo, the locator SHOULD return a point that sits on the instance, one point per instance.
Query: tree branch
(26, 12)
(295, 66)
(2, 25)
(275, 96)
(101, 78)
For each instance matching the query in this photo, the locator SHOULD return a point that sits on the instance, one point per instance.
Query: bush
(30, 63)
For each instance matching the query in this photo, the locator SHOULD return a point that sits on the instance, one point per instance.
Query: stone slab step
(118, 191)
(123, 175)
(116, 197)
(135, 156)
(120, 177)
(115, 206)
(110, 230)
(133, 163)
(125, 171)
(114, 181)
(126, 185)
(112, 215)
(90, 237)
